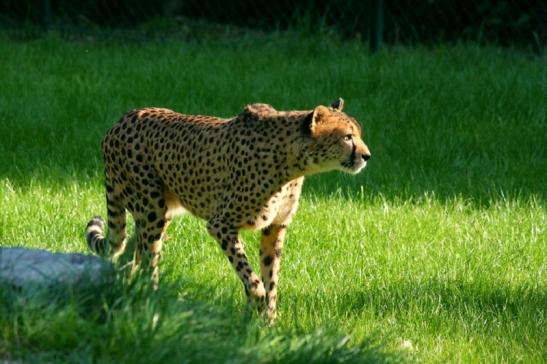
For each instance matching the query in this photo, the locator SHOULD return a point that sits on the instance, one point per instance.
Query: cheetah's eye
(348, 137)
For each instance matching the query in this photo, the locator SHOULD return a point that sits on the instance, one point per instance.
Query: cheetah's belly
(194, 190)
(199, 203)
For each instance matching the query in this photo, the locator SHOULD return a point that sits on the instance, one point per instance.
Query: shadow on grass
(403, 166)
(404, 184)
(482, 309)
(134, 324)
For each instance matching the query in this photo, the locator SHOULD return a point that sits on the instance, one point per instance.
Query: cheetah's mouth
(353, 164)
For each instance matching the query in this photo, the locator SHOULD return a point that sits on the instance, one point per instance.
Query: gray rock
(22, 268)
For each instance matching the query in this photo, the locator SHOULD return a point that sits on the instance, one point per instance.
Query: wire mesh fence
(503, 22)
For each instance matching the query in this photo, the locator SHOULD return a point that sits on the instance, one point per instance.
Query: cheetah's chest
(278, 209)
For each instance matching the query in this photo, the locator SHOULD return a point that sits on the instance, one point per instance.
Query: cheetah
(244, 172)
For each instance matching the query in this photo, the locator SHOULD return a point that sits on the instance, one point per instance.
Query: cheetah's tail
(94, 235)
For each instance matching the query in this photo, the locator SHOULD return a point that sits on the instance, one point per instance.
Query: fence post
(376, 25)
(46, 13)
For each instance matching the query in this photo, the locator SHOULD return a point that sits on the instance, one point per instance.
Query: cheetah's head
(333, 141)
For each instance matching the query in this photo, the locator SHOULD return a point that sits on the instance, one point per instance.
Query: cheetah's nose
(366, 157)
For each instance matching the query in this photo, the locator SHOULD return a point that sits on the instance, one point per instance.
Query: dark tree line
(502, 22)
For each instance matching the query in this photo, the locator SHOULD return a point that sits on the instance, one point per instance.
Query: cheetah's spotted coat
(245, 172)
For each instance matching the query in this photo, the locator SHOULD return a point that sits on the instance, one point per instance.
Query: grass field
(435, 254)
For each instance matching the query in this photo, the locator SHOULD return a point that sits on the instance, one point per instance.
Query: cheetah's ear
(338, 104)
(320, 113)
(317, 116)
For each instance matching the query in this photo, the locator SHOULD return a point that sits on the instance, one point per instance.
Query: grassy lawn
(436, 253)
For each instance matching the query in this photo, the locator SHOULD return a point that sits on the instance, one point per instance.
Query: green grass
(441, 242)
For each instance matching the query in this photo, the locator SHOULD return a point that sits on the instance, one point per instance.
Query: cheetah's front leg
(271, 246)
(228, 239)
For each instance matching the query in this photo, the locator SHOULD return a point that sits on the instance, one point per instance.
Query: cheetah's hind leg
(151, 222)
